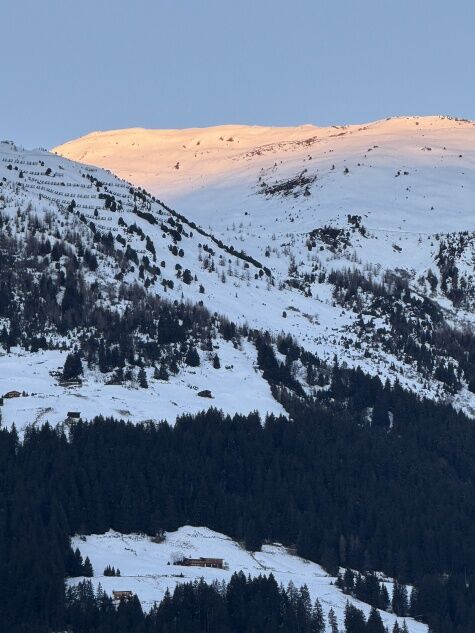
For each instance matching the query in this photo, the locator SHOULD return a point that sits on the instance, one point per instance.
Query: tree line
(244, 605)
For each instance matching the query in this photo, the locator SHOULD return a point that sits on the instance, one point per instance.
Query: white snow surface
(219, 167)
(237, 387)
(148, 568)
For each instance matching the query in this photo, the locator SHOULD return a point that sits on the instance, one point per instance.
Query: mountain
(367, 231)
(309, 362)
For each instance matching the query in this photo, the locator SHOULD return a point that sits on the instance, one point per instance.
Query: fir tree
(72, 367)
(192, 358)
(318, 623)
(87, 569)
(399, 602)
(142, 378)
(332, 621)
(375, 623)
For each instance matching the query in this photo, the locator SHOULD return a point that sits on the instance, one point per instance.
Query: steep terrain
(92, 265)
(368, 233)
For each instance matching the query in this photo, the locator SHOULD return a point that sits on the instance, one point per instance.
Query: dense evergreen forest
(244, 605)
(392, 493)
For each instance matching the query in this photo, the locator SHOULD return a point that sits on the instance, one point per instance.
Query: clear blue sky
(69, 67)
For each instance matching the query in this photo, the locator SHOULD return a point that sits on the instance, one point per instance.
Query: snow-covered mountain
(261, 268)
(368, 232)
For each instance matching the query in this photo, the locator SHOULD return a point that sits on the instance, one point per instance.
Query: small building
(12, 394)
(74, 415)
(121, 596)
(74, 382)
(215, 563)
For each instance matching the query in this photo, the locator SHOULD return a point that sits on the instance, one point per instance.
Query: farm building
(122, 596)
(216, 563)
(12, 394)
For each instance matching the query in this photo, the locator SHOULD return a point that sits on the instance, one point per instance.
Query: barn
(215, 563)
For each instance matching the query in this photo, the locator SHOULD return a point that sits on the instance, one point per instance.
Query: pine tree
(142, 378)
(383, 598)
(187, 276)
(375, 623)
(87, 568)
(332, 621)
(192, 358)
(355, 621)
(72, 367)
(318, 618)
(349, 580)
(161, 373)
(399, 602)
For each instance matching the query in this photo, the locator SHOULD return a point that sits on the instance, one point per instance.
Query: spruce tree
(142, 378)
(72, 367)
(375, 623)
(318, 618)
(192, 358)
(87, 568)
(161, 373)
(399, 602)
(355, 621)
(332, 621)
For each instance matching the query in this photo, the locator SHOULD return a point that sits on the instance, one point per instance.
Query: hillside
(83, 251)
(149, 569)
(368, 232)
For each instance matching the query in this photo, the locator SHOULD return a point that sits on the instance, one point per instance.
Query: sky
(70, 67)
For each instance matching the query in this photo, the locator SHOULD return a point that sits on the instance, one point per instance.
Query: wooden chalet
(215, 563)
(122, 596)
(12, 394)
(74, 382)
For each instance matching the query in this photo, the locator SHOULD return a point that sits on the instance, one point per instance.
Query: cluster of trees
(244, 605)
(368, 588)
(46, 310)
(111, 571)
(418, 331)
(452, 284)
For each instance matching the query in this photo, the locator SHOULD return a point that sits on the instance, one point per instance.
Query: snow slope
(76, 200)
(45, 400)
(148, 568)
(397, 192)
(219, 168)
